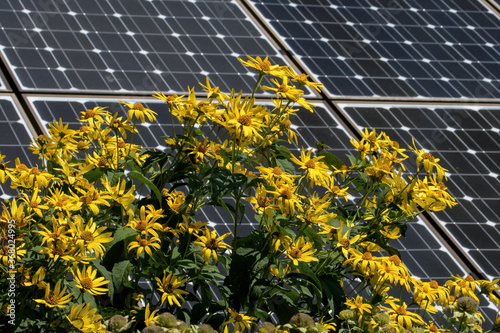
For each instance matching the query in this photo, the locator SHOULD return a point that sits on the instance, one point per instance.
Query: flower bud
(467, 304)
(153, 329)
(117, 322)
(381, 319)
(167, 320)
(205, 328)
(346, 314)
(417, 330)
(265, 327)
(387, 329)
(302, 320)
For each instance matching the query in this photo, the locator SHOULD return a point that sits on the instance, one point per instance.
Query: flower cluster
(108, 234)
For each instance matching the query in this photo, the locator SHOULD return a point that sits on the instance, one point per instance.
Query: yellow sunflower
(169, 286)
(211, 244)
(241, 321)
(86, 280)
(144, 243)
(316, 171)
(84, 318)
(56, 298)
(301, 250)
(138, 111)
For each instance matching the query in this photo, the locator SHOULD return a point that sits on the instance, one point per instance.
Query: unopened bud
(302, 320)
(467, 304)
(346, 314)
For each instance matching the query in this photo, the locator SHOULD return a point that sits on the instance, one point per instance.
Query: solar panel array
(128, 46)
(370, 48)
(439, 56)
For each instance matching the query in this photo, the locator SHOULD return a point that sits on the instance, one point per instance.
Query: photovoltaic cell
(420, 243)
(132, 46)
(466, 140)
(408, 48)
(15, 138)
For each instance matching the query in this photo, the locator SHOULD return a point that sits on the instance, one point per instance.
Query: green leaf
(285, 149)
(113, 176)
(119, 235)
(136, 175)
(119, 275)
(333, 162)
(333, 293)
(285, 165)
(313, 236)
(108, 276)
(284, 304)
(198, 132)
(93, 175)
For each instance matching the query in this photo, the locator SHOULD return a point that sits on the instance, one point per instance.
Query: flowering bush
(105, 236)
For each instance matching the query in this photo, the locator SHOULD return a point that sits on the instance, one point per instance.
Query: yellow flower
(149, 317)
(263, 66)
(335, 191)
(190, 227)
(4, 171)
(94, 115)
(316, 212)
(59, 231)
(169, 286)
(57, 298)
(287, 198)
(62, 249)
(241, 321)
(462, 286)
(170, 99)
(262, 203)
(89, 197)
(89, 237)
(364, 263)
(16, 214)
(404, 318)
(431, 291)
(211, 244)
(432, 328)
(143, 242)
(146, 223)
(214, 92)
(121, 194)
(316, 171)
(6, 255)
(244, 121)
(138, 111)
(60, 201)
(302, 80)
(300, 251)
(359, 306)
(345, 241)
(86, 280)
(116, 124)
(375, 142)
(284, 90)
(429, 162)
(84, 318)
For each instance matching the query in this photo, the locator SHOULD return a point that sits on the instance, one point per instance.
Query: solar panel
(14, 133)
(129, 46)
(467, 141)
(371, 48)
